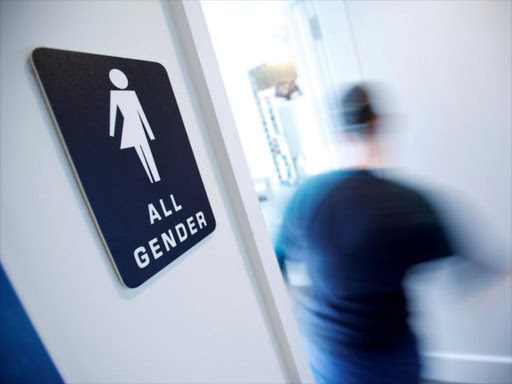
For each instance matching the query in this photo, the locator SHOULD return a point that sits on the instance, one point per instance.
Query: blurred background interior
(445, 71)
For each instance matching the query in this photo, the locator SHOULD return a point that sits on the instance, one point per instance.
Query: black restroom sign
(123, 132)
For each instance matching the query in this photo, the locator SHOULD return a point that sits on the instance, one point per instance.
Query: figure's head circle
(118, 78)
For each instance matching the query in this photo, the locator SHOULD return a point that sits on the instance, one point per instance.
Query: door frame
(201, 67)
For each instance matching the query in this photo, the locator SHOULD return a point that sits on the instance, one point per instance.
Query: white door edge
(201, 65)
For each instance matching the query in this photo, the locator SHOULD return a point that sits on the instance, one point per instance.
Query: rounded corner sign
(124, 135)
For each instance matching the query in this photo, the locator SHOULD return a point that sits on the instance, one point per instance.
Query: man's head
(359, 116)
(358, 139)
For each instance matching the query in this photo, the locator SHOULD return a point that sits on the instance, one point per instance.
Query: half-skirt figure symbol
(135, 123)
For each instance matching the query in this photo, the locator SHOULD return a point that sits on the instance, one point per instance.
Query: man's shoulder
(366, 188)
(402, 189)
(323, 180)
(312, 191)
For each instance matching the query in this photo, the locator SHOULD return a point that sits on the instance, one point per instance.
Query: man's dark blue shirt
(358, 234)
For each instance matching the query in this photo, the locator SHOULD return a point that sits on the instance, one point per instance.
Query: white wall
(449, 66)
(200, 320)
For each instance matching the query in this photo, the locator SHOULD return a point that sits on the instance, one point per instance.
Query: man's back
(357, 234)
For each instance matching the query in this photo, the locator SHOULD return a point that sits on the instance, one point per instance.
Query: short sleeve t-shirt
(357, 234)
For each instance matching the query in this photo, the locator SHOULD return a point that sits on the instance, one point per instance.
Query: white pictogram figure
(134, 123)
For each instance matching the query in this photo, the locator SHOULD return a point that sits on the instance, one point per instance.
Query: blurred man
(357, 234)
